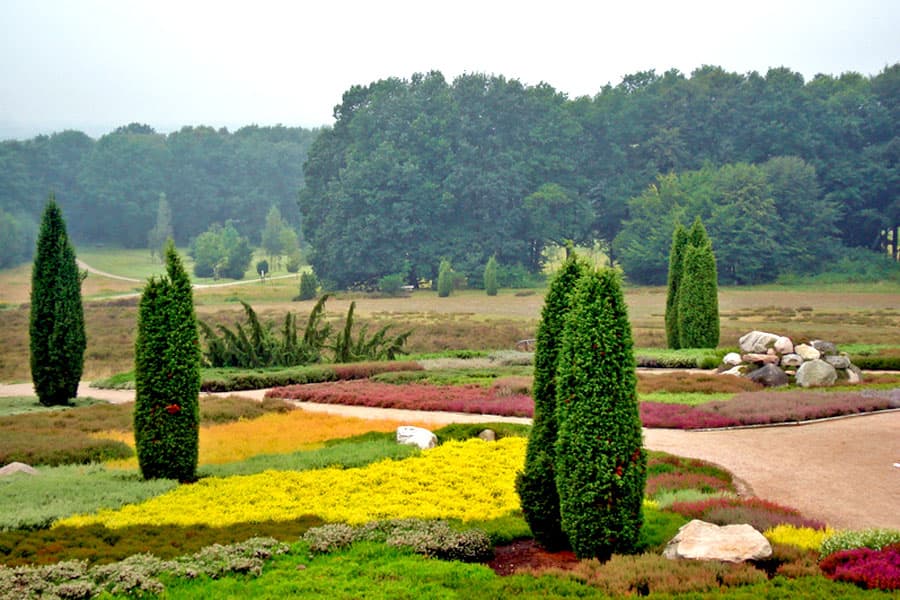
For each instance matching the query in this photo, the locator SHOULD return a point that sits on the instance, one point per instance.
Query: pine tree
(698, 303)
(167, 376)
(676, 254)
(445, 279)
(56, 322)
(601, 466)
(536, 485)
(490, 276)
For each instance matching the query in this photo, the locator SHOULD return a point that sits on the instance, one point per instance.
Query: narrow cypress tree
(698, 302)
(445, 279)
(537, 484)
(56, 322)
(490, 277)
(601, 465)
(167, 376)
(676, 254)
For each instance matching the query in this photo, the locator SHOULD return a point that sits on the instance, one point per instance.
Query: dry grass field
(467, 319)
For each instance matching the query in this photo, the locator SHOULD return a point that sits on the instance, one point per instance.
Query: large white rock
(814, 373)
(757, 341)
(783, 345)
(732, 359)
(416, 436)
(699, 540)
(17, 467)
(807, 352)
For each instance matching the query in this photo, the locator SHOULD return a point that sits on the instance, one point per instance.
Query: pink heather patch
(762, 514)
(449, 398)
(867, 568)
(680, 416)
(685, 481)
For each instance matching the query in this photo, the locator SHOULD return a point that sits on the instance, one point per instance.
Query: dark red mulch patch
(527, 554)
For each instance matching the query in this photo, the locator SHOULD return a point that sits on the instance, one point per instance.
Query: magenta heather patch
(414, 396)
(685, 481)
(679, 416)
(760, 513)
(871, 569)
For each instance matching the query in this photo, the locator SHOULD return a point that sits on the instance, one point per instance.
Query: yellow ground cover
(273, 433)
(464, 480)
(802, 537)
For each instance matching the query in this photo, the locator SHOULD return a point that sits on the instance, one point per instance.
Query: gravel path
(844, 471)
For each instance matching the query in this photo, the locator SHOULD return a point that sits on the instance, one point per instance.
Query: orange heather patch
(273, 433)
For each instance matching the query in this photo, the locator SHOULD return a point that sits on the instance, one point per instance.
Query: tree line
(423, 170)
(110, 187)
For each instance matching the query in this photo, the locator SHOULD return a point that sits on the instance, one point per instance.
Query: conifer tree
(679, 241)
(445, 279)
(536, 485)
(490, 277)
(601, 465)
(56, 321)
(167, 376)
(698, 303)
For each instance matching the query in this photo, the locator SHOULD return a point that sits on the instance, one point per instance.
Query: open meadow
(296, 499)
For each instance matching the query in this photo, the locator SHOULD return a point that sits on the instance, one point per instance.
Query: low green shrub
(232, 380)
(874, 539)
(658, 528)
(877, 363)
(19, 405)
(686, 358)
(431, 538)
(56, 447)
(465, 431)
(502, 531)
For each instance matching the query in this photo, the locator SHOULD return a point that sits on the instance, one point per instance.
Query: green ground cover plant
(18, 405)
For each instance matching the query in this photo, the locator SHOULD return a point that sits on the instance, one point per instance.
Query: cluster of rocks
(424, 439)
(774, 360)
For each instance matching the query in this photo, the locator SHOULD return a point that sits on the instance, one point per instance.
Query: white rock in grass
(416, 436)
(699, 540)
(732, 358)
(17, 467)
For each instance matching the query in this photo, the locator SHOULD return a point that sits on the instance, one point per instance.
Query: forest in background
(787, 174)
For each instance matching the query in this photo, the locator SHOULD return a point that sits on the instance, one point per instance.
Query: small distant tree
(167, 376)
(490, 277)
(221, 252)
(536, 485)
(698, 302)
(601, 465)
(162, 231)
(56, 321)
(391, 285)
(445, 279)
(676, 255)
(309, 285)
(262, 267)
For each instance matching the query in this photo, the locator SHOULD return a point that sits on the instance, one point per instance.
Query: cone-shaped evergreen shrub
(601, 465)
(309, 285)
(167, 376)
(56, 323)
(445, 279)
(490, 277)
(676, 254)
(698, 302)
(537, 484)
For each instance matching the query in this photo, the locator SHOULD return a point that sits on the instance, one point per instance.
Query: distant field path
(91, 269)
(841, 471)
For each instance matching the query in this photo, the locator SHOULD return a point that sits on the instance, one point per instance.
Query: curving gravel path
(845, 472)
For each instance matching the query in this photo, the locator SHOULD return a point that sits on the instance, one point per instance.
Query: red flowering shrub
(449, 398)
(867, 568)
(759, 513)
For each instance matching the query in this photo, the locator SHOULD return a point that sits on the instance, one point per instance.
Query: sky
(93, 65)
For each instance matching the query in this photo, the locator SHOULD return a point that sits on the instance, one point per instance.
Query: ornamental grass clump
(536, 484)
(601, 465)
(874, 539)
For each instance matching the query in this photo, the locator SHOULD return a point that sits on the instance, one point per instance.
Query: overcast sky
(93, 65)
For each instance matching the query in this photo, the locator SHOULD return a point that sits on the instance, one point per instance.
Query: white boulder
(699, 540)
(416, 436)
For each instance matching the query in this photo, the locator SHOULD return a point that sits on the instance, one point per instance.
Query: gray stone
(735, 370)
(838, 361)
(791, 360)
(769, 375)
(854, 374)
(760, 358)
(757, 341)
(17, 467)
(807, 352)
(699, 540)
(814, 373)
(416, 436)
(824, 347)
(784, 345)
(732, 359)
(488, 435)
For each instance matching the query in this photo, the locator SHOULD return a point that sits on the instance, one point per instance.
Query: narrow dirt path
(843, 472)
